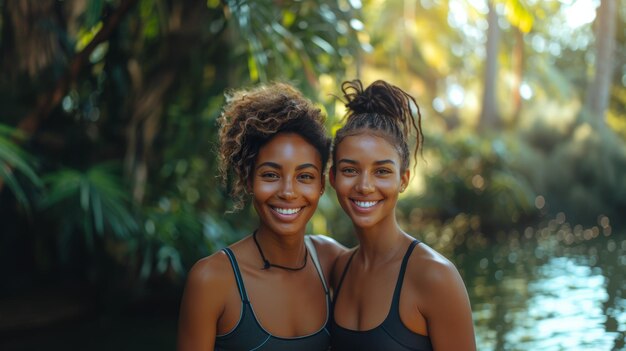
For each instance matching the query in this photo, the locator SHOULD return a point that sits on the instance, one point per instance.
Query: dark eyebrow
(382, 162)
(277, 166)
(306, 165)
(345, 160)
(270, 164)
(378, 163)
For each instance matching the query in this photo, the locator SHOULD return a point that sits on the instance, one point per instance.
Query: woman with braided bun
(393, 292)
(268, 291)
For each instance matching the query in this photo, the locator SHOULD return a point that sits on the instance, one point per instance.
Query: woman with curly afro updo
(393, 292)
(269, 290)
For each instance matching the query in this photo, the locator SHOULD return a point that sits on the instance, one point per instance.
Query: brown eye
(306, 176)
(269, 175)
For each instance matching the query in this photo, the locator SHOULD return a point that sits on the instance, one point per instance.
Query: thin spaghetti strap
(405, 260)
(238, 278)
(318, 266)
(343, 275)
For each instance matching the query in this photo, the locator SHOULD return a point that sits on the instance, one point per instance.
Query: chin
(363, 223)
(288, 229)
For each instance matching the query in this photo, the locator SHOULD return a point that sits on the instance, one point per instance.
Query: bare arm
(447, 308)
(202, 304)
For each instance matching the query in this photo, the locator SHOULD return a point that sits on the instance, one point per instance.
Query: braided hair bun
(384, 110)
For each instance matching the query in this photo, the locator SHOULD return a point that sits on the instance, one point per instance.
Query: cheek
(389, 185)
(311, 191)
(342, 184)
(263, 189)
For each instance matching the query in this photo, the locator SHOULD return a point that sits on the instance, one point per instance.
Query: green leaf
(14, 160)
(7, 175)
(93, 12)
(97, 197)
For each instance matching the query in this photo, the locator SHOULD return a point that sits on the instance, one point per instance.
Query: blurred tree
(136, 85)
(411, 43)
(543, 58)
(522, 21)
(599, 91)
(117, 101)
(489, 116)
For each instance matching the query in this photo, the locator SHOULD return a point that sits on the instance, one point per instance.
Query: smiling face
(367, 178)
(287, 183)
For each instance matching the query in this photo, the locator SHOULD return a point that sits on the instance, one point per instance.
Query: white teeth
(365, 204)
(287, 211)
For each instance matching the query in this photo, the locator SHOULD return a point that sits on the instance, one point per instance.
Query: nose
(364, 186)
(287, 190)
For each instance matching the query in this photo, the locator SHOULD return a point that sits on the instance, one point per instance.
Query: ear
(404, 180)
(331, 176)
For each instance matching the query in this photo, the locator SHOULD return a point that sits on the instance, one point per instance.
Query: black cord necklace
(267, 264)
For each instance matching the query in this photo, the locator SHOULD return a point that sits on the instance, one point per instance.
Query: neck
(380, 243)
(284, 250)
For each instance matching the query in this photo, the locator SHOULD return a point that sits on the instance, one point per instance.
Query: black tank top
(391, 334)
(249, 335)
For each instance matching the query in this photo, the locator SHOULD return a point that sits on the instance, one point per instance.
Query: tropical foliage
(108, 134)
(109, 124)
(13, 161)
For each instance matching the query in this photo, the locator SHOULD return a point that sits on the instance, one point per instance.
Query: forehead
(366, 147)
(289, 147)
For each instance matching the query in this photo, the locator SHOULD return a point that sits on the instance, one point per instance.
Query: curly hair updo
(251, 118)
(383, 110)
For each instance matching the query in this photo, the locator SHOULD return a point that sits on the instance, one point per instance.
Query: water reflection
(565, 309)
(542, 295)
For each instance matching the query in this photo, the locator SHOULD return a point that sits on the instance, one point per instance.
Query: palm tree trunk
(151, 88)
(599, 92)
(489, 114)
(518, 71)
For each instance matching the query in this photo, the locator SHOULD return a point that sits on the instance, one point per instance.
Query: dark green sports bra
(249, 335)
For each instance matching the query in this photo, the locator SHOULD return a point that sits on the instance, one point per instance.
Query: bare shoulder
(442, 299)
(210, 272)
(328, 250)
(435, 277)
(324, 243)
(433, 266)
(344, 256)
(203, 301)
(214, 269)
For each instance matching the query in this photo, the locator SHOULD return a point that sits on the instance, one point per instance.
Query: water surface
(549, 292)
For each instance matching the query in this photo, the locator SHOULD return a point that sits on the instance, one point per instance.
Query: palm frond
(96, 196)
(285, 38)
(14, 159)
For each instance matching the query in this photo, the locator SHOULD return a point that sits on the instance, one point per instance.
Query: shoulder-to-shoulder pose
(393, 292)
(267, 291)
